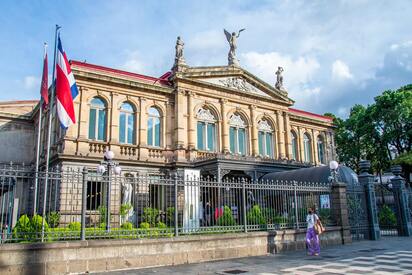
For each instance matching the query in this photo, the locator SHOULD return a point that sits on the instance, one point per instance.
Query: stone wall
(105, 255)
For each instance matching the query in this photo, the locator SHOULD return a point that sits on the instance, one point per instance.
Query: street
(392, 255)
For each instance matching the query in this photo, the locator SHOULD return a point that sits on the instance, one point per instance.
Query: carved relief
(205, 115)
(263, 125)
(237, 121)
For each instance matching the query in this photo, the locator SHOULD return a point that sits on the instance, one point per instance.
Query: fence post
(84, 204)
(367, 180)
(244, 204)
(176, 213)
(401, 202)
(340, 210)
(296, 203)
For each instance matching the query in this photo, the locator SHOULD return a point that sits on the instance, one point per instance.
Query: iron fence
(385, 203)
(77, 204)
(357, 211)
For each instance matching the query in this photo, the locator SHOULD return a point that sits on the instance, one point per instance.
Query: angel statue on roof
(232, 39)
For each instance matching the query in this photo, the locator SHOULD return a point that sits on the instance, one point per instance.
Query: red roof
(163, 79)
(310, 114)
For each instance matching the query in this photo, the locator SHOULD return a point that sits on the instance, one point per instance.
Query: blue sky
(335, 53)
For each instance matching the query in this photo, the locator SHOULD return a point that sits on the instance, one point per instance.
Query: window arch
(307, 148)
(206, 130)
(265, 139)
(97, 119)
(237, 135)
(294, 145)
(127, 131)
(153, 127)
(321, 149)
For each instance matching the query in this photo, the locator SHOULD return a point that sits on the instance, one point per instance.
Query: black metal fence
(385, 204)
(357, 211)
(78, 204)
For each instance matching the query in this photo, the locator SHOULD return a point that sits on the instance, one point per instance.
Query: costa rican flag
(66, 89)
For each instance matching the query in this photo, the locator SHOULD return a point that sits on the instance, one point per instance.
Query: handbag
(319, 228)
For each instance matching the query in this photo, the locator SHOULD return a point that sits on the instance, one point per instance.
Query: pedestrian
(312, 239)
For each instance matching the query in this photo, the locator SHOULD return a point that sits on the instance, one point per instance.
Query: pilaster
(281, 135)
(287, 136)
(143, 130)
(315, 147)
(254, 131)
(225, 129)
(191, 122)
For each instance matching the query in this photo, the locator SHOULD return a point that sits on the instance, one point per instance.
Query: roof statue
(232, 39)
(279, 79)
(179, 58)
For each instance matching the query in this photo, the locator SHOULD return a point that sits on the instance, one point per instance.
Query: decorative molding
(205, 115)
(263, 125)
(237, 121)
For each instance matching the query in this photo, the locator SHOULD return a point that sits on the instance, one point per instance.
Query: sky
(334, 53)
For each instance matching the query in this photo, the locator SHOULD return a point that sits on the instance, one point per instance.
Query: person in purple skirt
(312, 239)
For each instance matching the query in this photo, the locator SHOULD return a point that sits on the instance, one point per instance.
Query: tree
(379, 132)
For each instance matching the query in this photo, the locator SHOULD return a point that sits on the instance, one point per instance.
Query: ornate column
(327, 148)
(143, 130)
(180, 123)
(254, 131)
(84, 110)
(367, 180)
(401, 202)
(288, 142)
(225, 129)
(301, 147)
(281, 135)
(114, 119)
(169, 125)
(191, 122)
(315, 147)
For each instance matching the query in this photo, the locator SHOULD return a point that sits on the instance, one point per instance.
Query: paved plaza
(388, 256)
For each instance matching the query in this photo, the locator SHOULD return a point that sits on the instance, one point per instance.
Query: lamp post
(109, 166)
(333, 166)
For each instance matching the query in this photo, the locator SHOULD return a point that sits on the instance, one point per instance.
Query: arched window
(153, 127)
(237, 135)
(294, 145)
(97, 119)
(265, 139)
(127, 124)
(321, 150)
(307, 148)
(206, 130)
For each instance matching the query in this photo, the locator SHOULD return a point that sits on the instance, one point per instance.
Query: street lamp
(109, 166)
(333, 166)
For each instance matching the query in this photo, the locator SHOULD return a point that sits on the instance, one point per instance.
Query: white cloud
(340, 71)
(134, 63)
(30, 82)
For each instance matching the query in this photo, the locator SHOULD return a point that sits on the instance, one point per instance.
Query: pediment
(236, 79)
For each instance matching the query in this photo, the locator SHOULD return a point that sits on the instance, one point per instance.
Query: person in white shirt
(312, 239)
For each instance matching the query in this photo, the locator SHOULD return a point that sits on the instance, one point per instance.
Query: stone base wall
(106, 255)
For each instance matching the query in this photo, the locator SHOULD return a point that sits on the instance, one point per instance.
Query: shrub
(387, 216)
(150, 215)
(102, 226)
(161, 225)
(53, 219)
(74, 226)
(279, 219)
(170, 214)
(227, 218)
(325, 215)
(254, 216)
(127, 226)
(144, 225)
(124, 209)
(22, 230)
(102, 211)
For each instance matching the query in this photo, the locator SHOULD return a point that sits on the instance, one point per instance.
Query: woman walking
(312, 239)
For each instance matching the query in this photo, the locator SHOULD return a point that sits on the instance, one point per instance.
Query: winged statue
(232, 39)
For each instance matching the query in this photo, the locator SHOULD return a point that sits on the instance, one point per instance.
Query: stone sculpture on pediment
(279, 79)
(232, 39)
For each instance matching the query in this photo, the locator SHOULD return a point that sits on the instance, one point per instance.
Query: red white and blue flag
(66, 89)
(44, 88)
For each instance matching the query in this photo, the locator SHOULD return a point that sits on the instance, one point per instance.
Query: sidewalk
(391, 255)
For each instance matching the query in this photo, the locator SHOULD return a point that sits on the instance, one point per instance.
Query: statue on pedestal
(127, 190)
(179, 58)
(279, 79)
(232, 39)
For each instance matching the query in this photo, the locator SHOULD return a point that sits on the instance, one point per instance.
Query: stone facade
(223, 91)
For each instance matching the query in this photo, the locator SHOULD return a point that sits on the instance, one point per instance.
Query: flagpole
(51, 105)
(36, 180)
